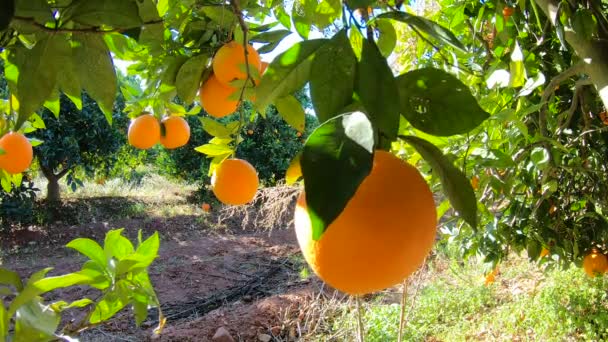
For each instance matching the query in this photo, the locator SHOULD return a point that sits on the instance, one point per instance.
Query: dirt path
(247, 282)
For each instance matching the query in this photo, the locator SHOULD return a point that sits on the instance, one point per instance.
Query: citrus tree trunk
(53, 193)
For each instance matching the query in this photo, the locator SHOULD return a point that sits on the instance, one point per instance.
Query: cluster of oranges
(17, 153)
(218, 96)
(383, 235)
(146, 131)
(595, 263)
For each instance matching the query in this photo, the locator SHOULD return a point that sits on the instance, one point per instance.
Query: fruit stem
(402, 316)
(360, 319)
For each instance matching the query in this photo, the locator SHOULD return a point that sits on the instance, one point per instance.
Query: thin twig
(402, 316)
(486, 45)
(360, 319)
(578, 87)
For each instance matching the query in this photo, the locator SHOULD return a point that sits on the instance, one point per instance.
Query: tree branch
(578, 87)
(95, 30)
(486, 45)
(550, 89)
(593, 52)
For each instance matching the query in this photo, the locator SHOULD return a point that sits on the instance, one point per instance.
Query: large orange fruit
(144, 131)
(177, 132)
(229, 62)
(381, 237)
(215, 98)
(18, 153)
(594, 263)
(234, 182)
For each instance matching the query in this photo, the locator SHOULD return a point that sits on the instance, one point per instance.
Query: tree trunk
(593, 53)
(53, 194)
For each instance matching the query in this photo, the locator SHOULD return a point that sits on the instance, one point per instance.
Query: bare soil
(206, 276)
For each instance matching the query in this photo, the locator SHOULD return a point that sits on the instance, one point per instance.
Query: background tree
(78, 142)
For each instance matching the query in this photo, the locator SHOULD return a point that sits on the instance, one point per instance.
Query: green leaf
(89, 248)
(8, 277)
(378, 91)
(356, 42)
(162, 6)
(36, 322)
(437, 103)
(282, 16)
(455, 184)
(223, 16)
(387, 39)
(291, 111)
(4, 322)
(116, 245)
(97, 273)
(188, 80)
(517, 68)
(37, 9)
(51, 283)
(343, 145)
(270, 36)
(106, 12)
(301, 14)
(332, 77)
(214, 150)
(423, 25)
(355, 4)
(140, 308)
(215, 128)
(95, 70)
(149, 248)
(38, 69)
(28, 293)
(63, 305)
(287, 73)
(108, 306)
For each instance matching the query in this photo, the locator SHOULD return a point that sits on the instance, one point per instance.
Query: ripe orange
(249, 132)
(594, 263)
(507, 12)
(298, 134)
(544, 253)
(18, 153)
(177, 132)
(215, 98)
(381, 237)
(206, 207)
(475, 182)
(491, 277)
(144, 131)
(229, 62)
(234, 182)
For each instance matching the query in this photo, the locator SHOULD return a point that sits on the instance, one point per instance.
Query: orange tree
(513, 96)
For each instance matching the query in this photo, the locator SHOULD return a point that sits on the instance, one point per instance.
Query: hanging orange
(144, 131)
(18, 153)
(215, 98)
(235, 182)
(595, 263)
(229, 62)
(177, 132)
(381, 237)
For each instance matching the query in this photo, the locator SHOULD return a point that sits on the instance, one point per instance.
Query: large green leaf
(38, 69)
(378, 92)
(28, 293)
(336, 158)
(95, 70)
(332, 77)
(287, 73)
(428, 27)
(37, 9)
(109, 305)
(437, 103)
(223, 16)
(90, 249)
(282, 16)
(149, 248)
(291, 111)
(115, 13)
(302, 16)
(117, 246)
(387, 39)
(36, 322)
(455, 184)
(188, 80)
(355, 4)
(8, 277)
(100, 279)
(51, 283)
(4, 322)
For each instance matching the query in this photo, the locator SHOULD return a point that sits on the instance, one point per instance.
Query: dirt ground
(247, 281)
